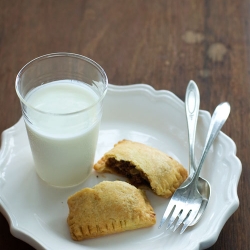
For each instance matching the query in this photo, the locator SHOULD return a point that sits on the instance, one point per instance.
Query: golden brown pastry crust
(163, 173)
(109, 207)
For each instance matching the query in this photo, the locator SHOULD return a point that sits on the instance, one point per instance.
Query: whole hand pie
(143, 166)
(107, 208)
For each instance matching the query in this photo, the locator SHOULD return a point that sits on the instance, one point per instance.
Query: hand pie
(143, 166)
(107, 208)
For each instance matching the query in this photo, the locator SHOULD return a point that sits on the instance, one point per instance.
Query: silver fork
(186, 201)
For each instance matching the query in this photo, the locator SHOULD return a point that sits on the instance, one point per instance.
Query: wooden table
(162, 43)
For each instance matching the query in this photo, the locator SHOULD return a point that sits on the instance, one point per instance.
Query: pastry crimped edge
(164, 173)
(107, 208)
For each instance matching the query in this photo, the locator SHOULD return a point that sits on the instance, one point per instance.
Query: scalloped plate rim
(31, 239)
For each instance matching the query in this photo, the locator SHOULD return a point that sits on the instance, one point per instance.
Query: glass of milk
(61, 97)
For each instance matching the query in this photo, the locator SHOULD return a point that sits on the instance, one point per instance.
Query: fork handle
(218, 119)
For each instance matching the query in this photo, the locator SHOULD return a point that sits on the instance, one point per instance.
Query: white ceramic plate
(37, 212)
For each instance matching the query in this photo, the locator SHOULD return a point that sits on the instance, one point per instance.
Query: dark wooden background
(164, 43)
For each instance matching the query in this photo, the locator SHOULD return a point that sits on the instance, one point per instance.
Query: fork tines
(184, 215)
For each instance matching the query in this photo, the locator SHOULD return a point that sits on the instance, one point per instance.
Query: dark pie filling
(128, 170)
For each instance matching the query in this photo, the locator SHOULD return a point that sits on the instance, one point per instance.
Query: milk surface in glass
(63, 146)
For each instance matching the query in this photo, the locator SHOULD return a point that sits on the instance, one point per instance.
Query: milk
(63, 130)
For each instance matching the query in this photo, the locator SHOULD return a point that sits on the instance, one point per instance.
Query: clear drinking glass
(61, 97)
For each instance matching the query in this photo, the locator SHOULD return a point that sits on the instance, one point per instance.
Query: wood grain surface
(163, 43)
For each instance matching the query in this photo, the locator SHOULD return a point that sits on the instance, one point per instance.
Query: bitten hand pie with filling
(143, 166)
(107, 208)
